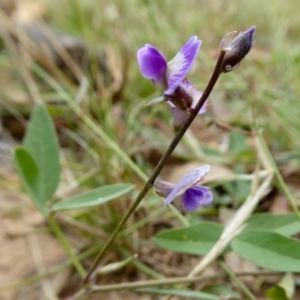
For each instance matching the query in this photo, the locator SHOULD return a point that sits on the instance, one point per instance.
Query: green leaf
(284, 290)
(224, 291)
(196, 239)
(285, 224)
(28, 173)
(94, 197)
(182, 293)
(238, 143)
(276, 293)
(269, 250)
(243, 189)
(41, 142)
(211, 151)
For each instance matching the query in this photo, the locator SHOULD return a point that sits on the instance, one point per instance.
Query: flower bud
(238, 49)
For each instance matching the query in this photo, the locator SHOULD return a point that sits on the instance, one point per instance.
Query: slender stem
(59, 234)
(161, 163)
(281, 182)
(237, 280)
(140, 266)
(180, 217)
(144, 221)
(170, 281)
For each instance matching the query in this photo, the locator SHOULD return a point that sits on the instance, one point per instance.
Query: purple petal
(163, 188)
(180, 65)
(247, 35)
(153, 65)
(179, 116)
(204, 108)
(195, 94)
(196, 196)
(187, 181)
(179, 98)
(251, 32)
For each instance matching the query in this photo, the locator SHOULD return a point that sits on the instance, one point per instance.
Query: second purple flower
(187, 191)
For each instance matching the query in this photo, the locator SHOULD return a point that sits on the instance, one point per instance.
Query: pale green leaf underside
(41, 142)
(269, 250)
(285, 224)
(29, 175)
(195, 239)
(94, 197)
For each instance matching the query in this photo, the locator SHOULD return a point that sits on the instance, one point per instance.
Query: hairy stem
(161, 163)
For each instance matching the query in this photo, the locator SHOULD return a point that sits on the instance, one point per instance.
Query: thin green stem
(238, 282)
(161, 163)
(60, 236)
(281, 182)
(144, 221)
(140, 266)
(180, 217)
(171, 281)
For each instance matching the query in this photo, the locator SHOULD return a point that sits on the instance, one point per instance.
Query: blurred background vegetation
(79, 58)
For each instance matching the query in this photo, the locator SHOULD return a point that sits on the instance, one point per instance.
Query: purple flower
(238, 49)
(191, 195)
(180, 116)
(168, 76)
(180, 94)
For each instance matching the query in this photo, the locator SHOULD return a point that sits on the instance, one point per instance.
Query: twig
(171, 281)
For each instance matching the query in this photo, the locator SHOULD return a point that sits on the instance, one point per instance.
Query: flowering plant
(185, 102)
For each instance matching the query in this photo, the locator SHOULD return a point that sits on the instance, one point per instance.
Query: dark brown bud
(238, 49)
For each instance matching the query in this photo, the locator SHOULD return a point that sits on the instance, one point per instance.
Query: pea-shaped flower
(187, 191)
(170, 78)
